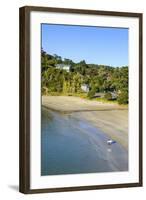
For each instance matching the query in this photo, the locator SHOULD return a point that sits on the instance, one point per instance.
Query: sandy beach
(77, 104)
(112, 119)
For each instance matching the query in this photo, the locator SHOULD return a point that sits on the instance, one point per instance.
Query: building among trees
(63, 66)
(85, 87)
(63, 76)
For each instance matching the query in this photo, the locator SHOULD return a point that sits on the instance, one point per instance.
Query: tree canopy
(99, 78)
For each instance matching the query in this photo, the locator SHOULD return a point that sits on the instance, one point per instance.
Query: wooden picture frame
(25, 99)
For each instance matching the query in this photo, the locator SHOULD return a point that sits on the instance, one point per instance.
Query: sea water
(70, 145)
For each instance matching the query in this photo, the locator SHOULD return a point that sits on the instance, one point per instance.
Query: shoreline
(113, 123)
(111, 119)
(77, 104)
(80, 111)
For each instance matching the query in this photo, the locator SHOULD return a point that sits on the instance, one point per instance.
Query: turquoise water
(72, 146)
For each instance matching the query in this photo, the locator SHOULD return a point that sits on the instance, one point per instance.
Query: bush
(108, 96)
(123, 97)
(91, 94)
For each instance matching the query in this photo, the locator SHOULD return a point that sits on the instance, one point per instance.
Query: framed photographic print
(80, 99)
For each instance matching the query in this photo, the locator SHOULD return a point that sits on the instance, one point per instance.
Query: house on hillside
(85, 87)
(63, 66)
(114, 95)
(102, 95)
(99, 95)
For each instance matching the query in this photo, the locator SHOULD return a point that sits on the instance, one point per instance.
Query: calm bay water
(72, 146)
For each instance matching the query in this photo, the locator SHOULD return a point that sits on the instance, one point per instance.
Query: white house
(63, 66)
(85, 87)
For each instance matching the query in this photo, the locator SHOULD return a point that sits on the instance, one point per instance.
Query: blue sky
(98, 45)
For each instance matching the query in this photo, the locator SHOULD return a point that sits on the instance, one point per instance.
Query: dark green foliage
(123, 97)
(91, 93)
(99, 78)
(108, 96)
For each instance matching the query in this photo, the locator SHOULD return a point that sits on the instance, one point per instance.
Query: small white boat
(109, 142)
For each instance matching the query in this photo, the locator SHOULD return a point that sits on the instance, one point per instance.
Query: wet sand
(113, 123)
(112, 119)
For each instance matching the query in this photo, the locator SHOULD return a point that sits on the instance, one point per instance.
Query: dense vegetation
(99, 78)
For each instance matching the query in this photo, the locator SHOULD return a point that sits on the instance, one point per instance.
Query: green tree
(99, 78)
(108, 96)
(91, 93)
(123, 97)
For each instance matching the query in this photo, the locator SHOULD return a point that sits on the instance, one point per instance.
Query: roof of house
(62, 65)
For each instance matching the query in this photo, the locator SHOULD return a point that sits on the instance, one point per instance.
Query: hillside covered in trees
(99, 79)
